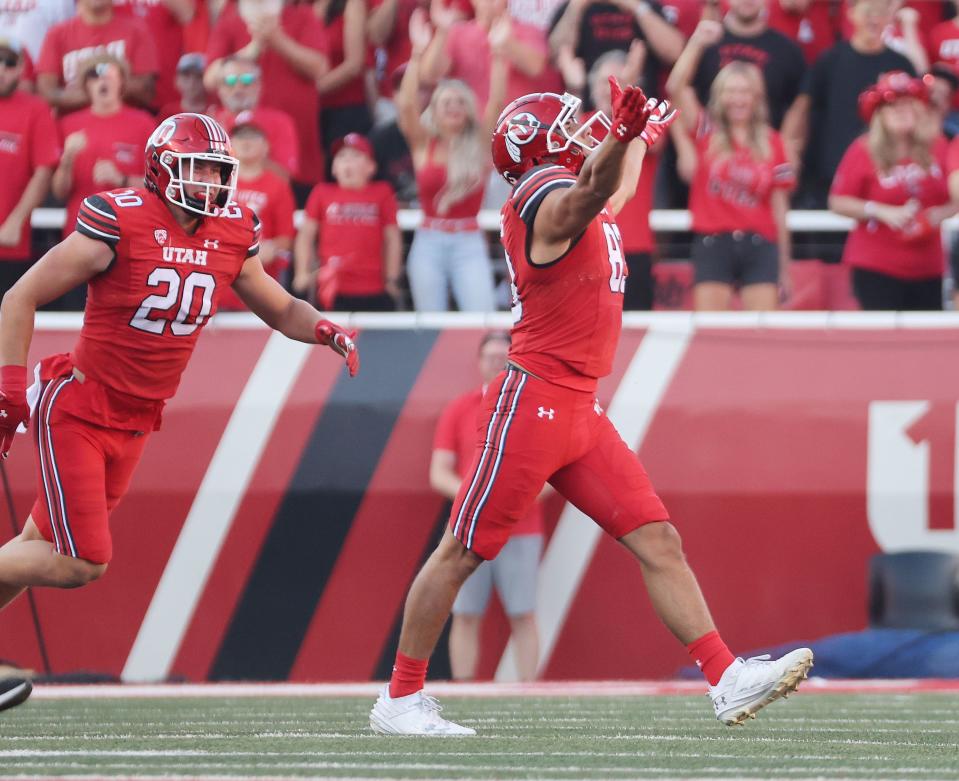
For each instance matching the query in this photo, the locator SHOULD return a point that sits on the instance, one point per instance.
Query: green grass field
(812, 735)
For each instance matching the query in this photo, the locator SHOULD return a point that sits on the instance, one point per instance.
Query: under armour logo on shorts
(546, 413)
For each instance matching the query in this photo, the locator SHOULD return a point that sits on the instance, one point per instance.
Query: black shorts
(738, 258)
(881, 292)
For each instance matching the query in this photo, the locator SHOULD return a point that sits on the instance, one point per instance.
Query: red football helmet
(543, 128)
(891, 86)
(173, 150)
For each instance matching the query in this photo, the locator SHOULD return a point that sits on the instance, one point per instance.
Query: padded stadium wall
(277, 519)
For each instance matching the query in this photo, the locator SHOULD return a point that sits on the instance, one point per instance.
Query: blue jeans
(439, 261)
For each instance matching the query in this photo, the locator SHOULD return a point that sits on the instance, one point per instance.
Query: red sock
(409, 675)
(711, 656)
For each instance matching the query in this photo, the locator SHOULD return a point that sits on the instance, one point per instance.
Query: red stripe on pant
(484, 472)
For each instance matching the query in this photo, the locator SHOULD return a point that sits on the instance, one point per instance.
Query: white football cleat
(414, 714)
(749, 686)
(13, 691)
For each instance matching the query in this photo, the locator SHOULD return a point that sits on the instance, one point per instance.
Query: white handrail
(663, 220)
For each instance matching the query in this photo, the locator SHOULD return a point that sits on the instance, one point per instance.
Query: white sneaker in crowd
(749, 686)
(414, 714)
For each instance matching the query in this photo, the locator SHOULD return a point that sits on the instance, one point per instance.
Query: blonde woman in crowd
(893, 182)
(450, 146)
(739, 179)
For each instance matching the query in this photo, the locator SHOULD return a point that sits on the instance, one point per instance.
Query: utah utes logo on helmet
(521, 130)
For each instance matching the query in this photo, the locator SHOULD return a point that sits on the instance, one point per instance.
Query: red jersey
(815, 30)
(119, 138)
(69, 43)
(270, 198)
(874, 245)
(567, 314)
(351, 227)
(397, 48)
(277, 126)
(28, 141)
(167, 34)
(145, 312)
(456, 432)
(284, 87)
(734, 191)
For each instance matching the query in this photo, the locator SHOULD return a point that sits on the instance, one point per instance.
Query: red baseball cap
(355, 141)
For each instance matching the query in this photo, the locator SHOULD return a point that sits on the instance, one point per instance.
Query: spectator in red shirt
(239, 93)
(103, 144)
(269, 195)
(29, 150)
(741, 179)
(892, 181)
(28, 22)
(461, 50)
(343, 103)
(96, 29)
(515, 570)
(165, 19)
(449, 143)
(189, 85)
(813, 24)
(288, 43)
(388, 26)
(351, 227)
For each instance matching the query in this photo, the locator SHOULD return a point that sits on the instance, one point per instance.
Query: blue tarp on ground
(875, 653)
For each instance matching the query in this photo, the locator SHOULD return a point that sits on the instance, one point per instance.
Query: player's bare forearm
(70, 263)
(564, 214)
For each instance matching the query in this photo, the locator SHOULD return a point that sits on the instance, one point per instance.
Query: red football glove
(661, 117)
(630, 111)
(14, 409)
(340, 341)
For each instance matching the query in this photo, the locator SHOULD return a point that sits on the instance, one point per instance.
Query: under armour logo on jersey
(546, 413)
(211, 244)
(596, 408)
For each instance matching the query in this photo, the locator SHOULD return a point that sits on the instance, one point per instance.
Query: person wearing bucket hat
(29, 152)
(892, 181)
(349, 226)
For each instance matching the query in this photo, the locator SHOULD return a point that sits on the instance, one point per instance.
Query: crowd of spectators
(351, 108)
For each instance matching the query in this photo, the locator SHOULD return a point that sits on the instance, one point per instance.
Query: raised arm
(381, 21)
(565, 213)
(663, 38)
(679, 84)
(565, 33)
(499, 36)
(436, 63)
(407, 97)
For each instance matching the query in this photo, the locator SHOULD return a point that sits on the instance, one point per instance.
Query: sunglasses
(246, 79)
(97, 71)
(10, 61)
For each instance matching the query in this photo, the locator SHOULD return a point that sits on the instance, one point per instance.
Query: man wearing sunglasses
(29, 151)
(239, 90)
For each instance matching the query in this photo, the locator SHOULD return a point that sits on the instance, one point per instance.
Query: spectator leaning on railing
(892, 180)
(29, 150)
(451, 154)
(740, 182)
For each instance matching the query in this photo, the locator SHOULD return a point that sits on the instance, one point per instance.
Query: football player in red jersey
(156, 261)
(541, 418)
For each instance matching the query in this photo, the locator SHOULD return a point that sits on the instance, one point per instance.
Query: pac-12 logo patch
(161, 236)
(521, 130)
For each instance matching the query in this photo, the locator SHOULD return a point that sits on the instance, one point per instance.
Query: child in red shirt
(350, 228)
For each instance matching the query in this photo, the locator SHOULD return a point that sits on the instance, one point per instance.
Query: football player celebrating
(156, 261)
(541, 421)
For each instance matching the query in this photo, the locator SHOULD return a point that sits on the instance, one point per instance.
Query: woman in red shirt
(892, 181)
(103, 144)
(739, 193)
(450, 147)
(343, 103)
